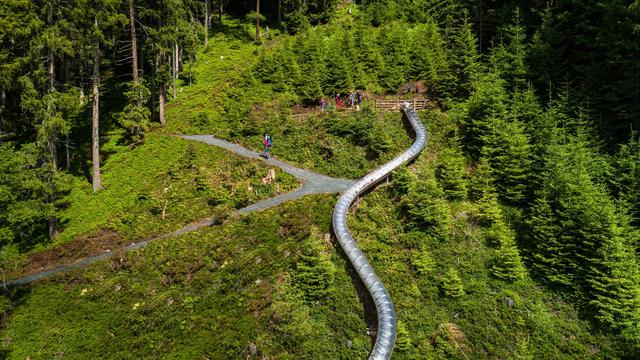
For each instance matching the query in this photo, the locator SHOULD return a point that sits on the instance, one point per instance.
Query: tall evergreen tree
(509, 52)
(626, 179)
(507, 149)
(464, 62)
(614, 281)
(24, 195)
(451, 173)
(480, 114)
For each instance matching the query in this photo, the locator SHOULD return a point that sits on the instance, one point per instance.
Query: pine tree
(422, 261)
(452, 284)
(51, 114)
(615, 281)
(549, 259)
(403, 180)
(403, 338)
(507, 264)
(394, 52)
(289, 313)
(483, 192)
(426, 206)
(135, 115)
(295, 15)
(314, 271)
(626, 180)
(24, 201)
(427, 55)
(339, 73)
(18, 23)
(509, 54)
(451, 173)
(479, 115)
(370, 60)
(310, 62)
(464, 61)
(507, 148)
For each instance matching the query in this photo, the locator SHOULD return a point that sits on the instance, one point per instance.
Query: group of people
(353, 100)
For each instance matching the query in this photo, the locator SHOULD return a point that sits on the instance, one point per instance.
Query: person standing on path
(338, 101)
(322, 104)
(267, 142)
(352, 100)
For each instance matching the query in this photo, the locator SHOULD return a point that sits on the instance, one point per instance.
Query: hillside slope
(436, 234)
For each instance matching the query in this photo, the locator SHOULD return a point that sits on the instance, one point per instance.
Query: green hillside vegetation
(514, 235)
(279, 282)
(243, 281)
(158, 187)
(242, 104)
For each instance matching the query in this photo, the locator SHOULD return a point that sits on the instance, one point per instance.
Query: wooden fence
(394, 105)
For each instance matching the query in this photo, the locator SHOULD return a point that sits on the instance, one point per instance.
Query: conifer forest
(169, 172)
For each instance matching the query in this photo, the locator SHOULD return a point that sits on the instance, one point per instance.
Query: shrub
(314, 271)
(452, 284)
(426, 207)
(422, 261)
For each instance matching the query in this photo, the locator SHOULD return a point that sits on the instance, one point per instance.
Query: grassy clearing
(189, 178)
(159, 187)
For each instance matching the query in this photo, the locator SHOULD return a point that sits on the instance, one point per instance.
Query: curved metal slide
(387, 322)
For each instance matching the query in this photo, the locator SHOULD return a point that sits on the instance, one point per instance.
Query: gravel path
(312, 183)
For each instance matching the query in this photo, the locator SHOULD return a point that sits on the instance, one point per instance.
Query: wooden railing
(394, 104)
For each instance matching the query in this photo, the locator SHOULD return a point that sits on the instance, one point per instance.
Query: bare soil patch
(69, 252)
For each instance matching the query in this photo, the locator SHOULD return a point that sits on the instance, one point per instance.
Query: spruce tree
(426, 207)
(482, 191)
(403, 338)
(626, 179)
(487, 105)
(507, 264)
(464, 60)
(549, 257)
(135, 115)
(614, 281)
(509, 54)
(427, 55)
(452, 284)
(289, 313)
(422, 261)
(394, 52)
(451, 173)
(506, 146)
(24, 201)
(314, 270)
(369, 60)
(339, 73)
(308, 52)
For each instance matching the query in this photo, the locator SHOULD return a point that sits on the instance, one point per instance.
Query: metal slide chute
(387, 321)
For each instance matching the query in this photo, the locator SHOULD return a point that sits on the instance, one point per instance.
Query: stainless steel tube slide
(386, 336)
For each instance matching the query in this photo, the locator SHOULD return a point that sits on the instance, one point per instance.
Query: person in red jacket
(339, 101)
(267, 142)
